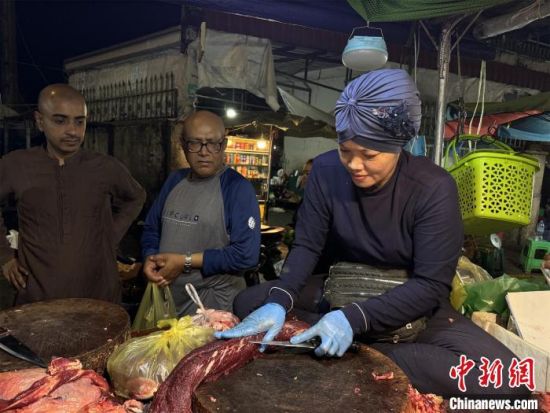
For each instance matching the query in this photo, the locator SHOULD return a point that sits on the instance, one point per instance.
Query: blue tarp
(532, 128)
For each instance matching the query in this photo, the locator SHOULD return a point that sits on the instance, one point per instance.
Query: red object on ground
(64, 386)
(208, 363)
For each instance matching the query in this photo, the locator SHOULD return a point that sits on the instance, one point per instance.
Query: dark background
(50, 31)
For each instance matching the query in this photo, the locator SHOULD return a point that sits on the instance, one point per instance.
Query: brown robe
(71, 219)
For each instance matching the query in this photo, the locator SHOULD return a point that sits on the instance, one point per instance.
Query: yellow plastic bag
(157, 304)
(139, 365)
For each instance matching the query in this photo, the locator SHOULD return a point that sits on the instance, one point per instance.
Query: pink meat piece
(63, 388)
(382, 376)
(107, 405)
(207, 364)
(217, 319)
(14, 382)
(141, 388)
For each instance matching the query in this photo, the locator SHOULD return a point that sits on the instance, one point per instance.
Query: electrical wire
(480, 88)
(484, 74)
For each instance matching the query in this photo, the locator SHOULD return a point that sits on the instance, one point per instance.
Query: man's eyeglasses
(194, 146)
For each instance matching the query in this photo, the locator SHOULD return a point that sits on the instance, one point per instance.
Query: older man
(205, 225)
(73, 206)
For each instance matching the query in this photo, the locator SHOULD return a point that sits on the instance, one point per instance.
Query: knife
(16, 348)
(310, 344)
(305, 344)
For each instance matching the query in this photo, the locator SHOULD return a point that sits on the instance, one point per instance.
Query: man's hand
(151, 269)
(16, 274)
(162, 269)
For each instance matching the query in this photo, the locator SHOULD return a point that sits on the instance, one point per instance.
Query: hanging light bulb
(363, 53)
(261, 143)
(230, 113)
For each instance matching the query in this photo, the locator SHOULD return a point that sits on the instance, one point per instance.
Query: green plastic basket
(495, 187)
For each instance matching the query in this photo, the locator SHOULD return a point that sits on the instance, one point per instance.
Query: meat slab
(63, 387)
(208, 363)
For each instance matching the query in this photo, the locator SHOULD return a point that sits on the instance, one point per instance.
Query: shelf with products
(251, 158)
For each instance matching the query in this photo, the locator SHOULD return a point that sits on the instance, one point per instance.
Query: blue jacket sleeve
(150, 239)
(438, 237)
(312, 226)
(242, 219)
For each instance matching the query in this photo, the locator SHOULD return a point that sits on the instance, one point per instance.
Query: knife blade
(16, 348)
(306, 344)
(310, 344)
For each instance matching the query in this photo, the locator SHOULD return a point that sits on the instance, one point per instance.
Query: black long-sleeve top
(412, 222)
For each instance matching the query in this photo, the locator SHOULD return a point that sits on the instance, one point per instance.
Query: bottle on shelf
(539, 233)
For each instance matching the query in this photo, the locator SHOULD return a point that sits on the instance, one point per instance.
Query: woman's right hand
(269, 317)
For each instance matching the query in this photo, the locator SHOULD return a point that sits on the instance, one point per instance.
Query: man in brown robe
(73, 207)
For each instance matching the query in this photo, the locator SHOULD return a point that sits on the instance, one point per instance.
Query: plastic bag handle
(484, 138)
(366, 27)
(190, 288)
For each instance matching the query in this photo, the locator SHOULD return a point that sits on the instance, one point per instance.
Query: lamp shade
(363, 53)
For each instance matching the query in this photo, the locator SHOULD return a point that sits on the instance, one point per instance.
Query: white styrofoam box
(523, 349)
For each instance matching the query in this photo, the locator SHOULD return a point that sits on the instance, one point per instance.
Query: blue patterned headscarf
(379, 110)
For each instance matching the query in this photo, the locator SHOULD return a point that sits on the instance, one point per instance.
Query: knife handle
(354, 347)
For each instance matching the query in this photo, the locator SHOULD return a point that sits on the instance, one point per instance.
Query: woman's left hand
(335, 333)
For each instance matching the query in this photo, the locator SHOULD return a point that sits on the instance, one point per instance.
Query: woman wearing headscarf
(380, 206)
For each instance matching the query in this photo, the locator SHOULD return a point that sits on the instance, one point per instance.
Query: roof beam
(334, 42)
(512, 21)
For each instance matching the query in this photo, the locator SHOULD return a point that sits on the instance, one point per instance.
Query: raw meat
(544, 402)
(424, 403)
(382, 376)
(141, 388)
(207, 364)
(63, 387)
(217, 319)
(14, 382)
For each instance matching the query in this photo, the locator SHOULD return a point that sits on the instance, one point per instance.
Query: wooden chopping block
(81, 328)
(291, 382)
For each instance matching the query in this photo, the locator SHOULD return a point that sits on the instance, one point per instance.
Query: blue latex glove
(335, 332)
(269, 317)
